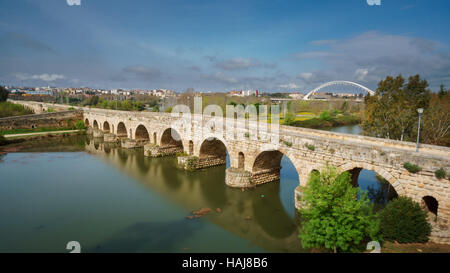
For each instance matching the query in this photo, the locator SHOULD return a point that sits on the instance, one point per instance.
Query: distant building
(296, 96)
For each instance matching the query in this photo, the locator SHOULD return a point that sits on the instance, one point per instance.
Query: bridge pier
(195, 163)
(128, 143)
(111, 138)
(97, 133)
(153, 150)
(238, 178)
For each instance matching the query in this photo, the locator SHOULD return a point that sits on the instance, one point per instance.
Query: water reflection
(261, 219)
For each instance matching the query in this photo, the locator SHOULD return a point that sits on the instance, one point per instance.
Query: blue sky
(212, 45)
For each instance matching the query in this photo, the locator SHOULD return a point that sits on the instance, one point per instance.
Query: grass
(37, 130)
(8, 109)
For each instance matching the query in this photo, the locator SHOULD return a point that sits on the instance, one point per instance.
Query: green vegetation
(315, 123)
(289, 119)
(287, 143)
(3, 94)
(3, 140)
(333, 218)
(79, 125)
(404, 221)
(8, 109)
(325, 115)
(70, 125)
(412, 168)
(441, 173)
(50, 110)
(392, 111)
(310, 147)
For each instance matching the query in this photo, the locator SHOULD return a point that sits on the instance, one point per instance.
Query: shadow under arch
(106, 127)
(121, 130)
(380, 187)
(170, 137)
(141, 133)
(95, 125)
(275, 166)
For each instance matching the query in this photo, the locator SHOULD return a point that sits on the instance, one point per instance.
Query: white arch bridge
(338, 83)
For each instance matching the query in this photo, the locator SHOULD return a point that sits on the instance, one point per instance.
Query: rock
(201, 212)
(248, 218)
(219, 210)
(190, 217)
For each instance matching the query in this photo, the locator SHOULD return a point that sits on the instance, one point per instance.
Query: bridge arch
(266, 166)
(213, 148)
(356, 167)
(121, 130)
(106, 127)
(141, 133)
(86, 122)
(308, 96)
(171, 137)
(95, 125)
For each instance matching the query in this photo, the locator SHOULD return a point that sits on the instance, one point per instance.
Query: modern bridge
(338, 83)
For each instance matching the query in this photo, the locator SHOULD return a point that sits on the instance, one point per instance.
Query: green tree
(289, 119)
(442, 92)
(325, 115)
(3, 93)
(392, 111)
(404, 221)
(333, 217)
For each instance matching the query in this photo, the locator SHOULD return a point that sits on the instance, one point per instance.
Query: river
(110, 199)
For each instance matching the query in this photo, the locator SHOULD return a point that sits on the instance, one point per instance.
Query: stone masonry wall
(55, 119)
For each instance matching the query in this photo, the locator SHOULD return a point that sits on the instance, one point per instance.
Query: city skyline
(271, 46)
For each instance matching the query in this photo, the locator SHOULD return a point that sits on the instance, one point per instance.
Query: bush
(325, 115)
(3, 94)
(404, 221)
(333, 217)
(441, 173)
(3, 140)
(79, 125)
(310, 147)
(289, 119)
(412, 168)
(287, 143)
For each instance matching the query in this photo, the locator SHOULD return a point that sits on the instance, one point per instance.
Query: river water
(114, 200)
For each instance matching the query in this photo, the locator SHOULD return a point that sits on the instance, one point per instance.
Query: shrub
(289, 119)
(333, 217)
(71, 108)
(310, 147)
(404, 221)
(50, 110)
(287, 143)
(412, 168)
(3, 140)
(325, 115)
(79, 125)
(441, 173)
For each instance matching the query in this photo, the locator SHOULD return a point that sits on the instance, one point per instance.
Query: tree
(289, 118)
(404, 221)
(3, 93)
(333, 217)
(442, 91)
(392, 111)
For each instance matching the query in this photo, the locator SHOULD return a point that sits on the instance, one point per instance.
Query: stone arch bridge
(254, 162)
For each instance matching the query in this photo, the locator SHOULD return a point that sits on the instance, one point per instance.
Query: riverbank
(318, 123)
(389, 247)
(7, 140)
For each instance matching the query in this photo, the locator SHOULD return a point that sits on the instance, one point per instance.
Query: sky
(221, 45)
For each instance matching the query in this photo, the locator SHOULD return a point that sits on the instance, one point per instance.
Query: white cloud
(290, 86)
(43, 77)
(361, 73)
(306, 75)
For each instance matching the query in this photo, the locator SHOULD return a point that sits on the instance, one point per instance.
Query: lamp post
(420, 111)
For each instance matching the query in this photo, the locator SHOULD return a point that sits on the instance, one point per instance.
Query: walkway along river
(116, 200)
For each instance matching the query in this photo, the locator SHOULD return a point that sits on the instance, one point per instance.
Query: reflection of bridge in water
(270, 227)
